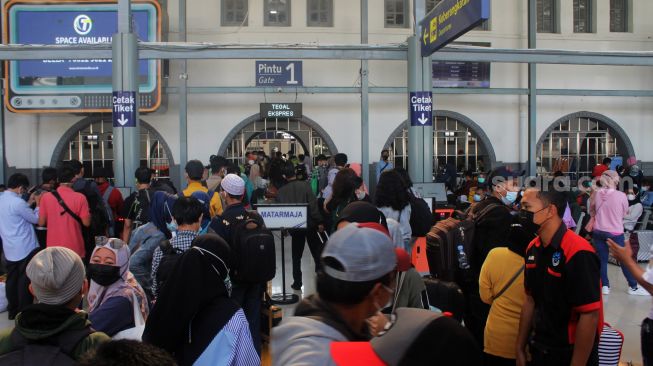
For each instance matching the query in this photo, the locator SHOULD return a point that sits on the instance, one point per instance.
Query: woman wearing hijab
(194, 319)
(114, 293)
(148, 237)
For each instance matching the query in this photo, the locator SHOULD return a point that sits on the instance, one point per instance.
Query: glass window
(430, 4)
(319, 13)
(396, 13)
(234, 13)
(618, 15)
(277, 13)
(582, 16)
(546, 16)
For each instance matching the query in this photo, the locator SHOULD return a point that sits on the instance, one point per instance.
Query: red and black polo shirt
(564, 280)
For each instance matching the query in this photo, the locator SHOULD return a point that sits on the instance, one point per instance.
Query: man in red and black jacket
(563, 305)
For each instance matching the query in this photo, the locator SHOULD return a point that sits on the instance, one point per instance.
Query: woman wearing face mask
(347, 188)
(635, 210)
(113, 289)
(194, 319)
(608, 208)
(393, 200)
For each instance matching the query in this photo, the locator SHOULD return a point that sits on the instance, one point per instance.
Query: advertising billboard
(75, 85)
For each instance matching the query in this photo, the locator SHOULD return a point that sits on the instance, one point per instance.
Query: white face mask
(631, 197)
(360, 195)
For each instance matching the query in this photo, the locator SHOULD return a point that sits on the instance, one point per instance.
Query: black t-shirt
(564, 280)
(136, 207)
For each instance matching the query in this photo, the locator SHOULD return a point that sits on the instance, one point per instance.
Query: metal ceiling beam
(159, 50)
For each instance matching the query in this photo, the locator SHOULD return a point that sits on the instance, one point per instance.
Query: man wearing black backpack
(229, 226)
(52, 331)
(491, 230)
(137, 205)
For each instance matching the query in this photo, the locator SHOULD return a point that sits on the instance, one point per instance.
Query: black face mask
(102, 274)
(526, 221)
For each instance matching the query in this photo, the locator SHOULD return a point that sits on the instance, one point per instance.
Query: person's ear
(31, 289)
(201, 217)
(84, 291)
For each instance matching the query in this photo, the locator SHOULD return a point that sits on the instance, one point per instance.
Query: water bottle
(462, 258)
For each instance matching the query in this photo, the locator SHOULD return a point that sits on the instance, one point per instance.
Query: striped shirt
(232, 346)
(610, 345)
(181, 242)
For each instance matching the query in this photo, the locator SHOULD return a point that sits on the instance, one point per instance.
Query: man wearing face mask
(491, 232)
(563, 308)
(356, 281)
(384, 164)
(299, 192)
(185, 226)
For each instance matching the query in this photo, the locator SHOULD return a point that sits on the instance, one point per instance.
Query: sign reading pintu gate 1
(421, 108)
(123, 110)
(449, 20)
(281, 110)
(279, 73)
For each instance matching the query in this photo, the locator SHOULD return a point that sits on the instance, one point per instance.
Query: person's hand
(37, 197)
(618, 252)
(377, 323)
(521, 357)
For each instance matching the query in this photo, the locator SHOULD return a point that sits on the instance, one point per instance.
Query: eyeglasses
(115, 243)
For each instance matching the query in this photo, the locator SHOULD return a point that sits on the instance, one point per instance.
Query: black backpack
(167, 263)
(99, 217)
(141, 208)
(56, 351)
(253, 251)
(421, 217)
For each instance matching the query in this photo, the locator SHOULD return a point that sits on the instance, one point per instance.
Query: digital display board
(75, 85)
(458, 74)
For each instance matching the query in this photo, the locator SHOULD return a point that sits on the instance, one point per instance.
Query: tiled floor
(622, 311)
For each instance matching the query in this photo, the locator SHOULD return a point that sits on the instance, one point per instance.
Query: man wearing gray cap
(58, 283)
(355, 282)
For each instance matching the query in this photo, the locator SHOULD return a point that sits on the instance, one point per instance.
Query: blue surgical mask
(172, 226)
(477, 198)
(481, 180)
(510, 198)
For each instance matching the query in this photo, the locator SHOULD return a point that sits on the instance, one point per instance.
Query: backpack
(168, 261)
(442, 242)
(100, 218)
(253, 251)
(141, 208)
(55, 351)
(205, 198)
(421, 217)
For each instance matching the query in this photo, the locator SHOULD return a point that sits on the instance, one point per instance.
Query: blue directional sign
(279, 73)
(449, 20)
(421, 108)
(124, 109)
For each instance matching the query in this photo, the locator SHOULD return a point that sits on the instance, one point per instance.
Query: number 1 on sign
(291, 68)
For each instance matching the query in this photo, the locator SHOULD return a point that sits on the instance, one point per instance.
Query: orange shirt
(63, 229)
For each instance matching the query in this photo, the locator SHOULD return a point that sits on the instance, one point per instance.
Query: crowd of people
(163, 277)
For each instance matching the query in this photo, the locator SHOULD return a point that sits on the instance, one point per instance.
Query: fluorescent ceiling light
(273, 11)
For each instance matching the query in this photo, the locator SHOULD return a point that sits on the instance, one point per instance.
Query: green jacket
(42, 321)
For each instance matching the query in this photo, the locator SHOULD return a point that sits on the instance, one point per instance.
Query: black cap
(501, 174)
(362, 212)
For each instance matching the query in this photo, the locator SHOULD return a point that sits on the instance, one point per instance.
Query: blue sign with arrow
(124, 109)
(421, 108)
(449, 20)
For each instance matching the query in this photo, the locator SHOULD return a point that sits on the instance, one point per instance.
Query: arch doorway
(289, 136)
(575, 143)
(91, 142)
(457, 140)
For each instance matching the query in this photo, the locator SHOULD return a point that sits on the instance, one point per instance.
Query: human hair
(232, 168)
(321, 157)
(143, 175)
(126, 352)
(76, 166)
(554, 198)
(187, 210)
(404, 175)
(391, 191)
(301, 157)
(607, 161)
(344, 185)
(194, 169)
(288, 169)
(49, 174)
(342, 292)
(217, 163)
(340, 159)
(18, 180)
(65, 172)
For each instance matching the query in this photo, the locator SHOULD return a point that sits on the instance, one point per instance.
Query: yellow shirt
(503, 322)
(215, 207)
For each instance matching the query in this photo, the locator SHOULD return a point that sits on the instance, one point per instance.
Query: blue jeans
(249, 297)
(600, 243)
